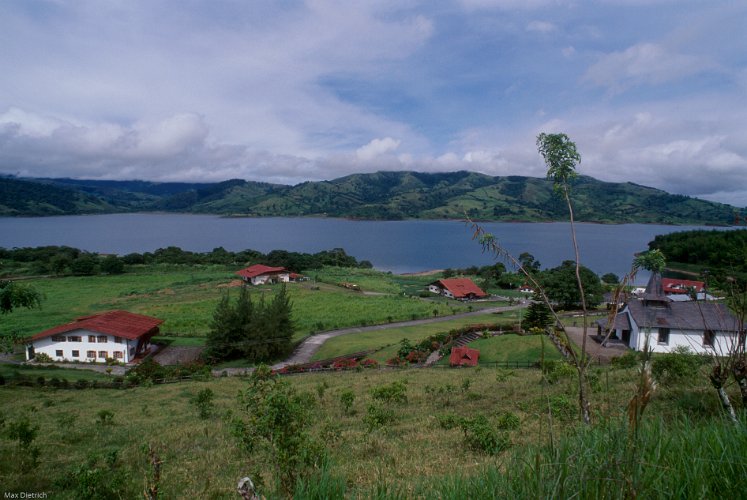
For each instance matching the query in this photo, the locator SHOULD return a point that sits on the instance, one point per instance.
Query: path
(594, 348)
(306, 349)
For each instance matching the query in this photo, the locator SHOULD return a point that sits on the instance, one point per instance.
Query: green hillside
(385, 196)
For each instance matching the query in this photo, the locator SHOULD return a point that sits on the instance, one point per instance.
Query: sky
(651, 91)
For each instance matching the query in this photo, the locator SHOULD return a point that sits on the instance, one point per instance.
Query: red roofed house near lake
(463, 356)
(457, 288)
(259, 274)
(118, 335)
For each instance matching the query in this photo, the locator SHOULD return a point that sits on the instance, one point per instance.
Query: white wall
(692, 339)
(50, 347)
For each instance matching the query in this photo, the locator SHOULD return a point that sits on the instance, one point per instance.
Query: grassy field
(10, 372)
(414, 454)
(512, 348)
(388, 340)
(185, 297)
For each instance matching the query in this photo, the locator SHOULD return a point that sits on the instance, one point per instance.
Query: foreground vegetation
(433, 433)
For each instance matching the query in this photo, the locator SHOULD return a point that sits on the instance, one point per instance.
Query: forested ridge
(380, 195)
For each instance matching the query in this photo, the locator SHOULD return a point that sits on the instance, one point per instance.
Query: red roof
(463, 356)
(258, 270)
(461, 287)
(118, 323)
(680, 286)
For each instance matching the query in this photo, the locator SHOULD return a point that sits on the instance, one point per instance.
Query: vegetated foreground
(439, 433)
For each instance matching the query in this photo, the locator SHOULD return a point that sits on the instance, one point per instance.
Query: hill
(387, 196)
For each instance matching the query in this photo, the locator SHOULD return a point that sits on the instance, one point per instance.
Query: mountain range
(380, 195)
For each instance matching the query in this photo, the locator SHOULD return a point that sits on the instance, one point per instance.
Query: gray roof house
(704, 327)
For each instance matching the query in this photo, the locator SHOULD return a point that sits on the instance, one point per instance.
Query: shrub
(204, 403)
(448, 421)
(562, 407)
(42, 357)
(106, 417)
(347, 398)
(378, 416)
(627, 360)
(681, 364)
(396, 392)
(555, 370)
(508, 421)
(483, 437)
(503, 374)
(81, 384)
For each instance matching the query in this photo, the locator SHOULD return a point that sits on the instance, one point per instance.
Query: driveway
(597, 353)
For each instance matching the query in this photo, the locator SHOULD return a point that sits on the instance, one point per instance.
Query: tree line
(63, 260)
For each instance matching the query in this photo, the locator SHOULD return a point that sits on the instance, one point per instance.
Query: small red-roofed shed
(463, 356)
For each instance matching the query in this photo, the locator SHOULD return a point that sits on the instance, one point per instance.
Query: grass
(513, 348)
(185, 297)
(10, 372)
(414, 455)
(388, 340)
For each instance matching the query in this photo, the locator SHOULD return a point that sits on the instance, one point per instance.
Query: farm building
(457, 288)
(259, 274)
(704, 327)
(464, 356)
(118, 335)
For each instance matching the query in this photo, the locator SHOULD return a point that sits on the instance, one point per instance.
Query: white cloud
(377, 147)
(643, 63)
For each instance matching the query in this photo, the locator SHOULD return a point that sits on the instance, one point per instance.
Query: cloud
(643, 63)
(377, 147)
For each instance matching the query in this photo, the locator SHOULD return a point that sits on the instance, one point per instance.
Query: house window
(663, 337)
(101, 339)
(76, 354)
(92, 338)
(58, 338)
(103, 354)
(118, 340)
(708, 337)
(118, 354)
(74, 338)
(58, 353)
(91, 354)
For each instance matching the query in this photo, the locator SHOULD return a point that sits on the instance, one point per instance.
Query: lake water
(397, 246)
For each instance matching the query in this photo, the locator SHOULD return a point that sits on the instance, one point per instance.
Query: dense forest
(722, 253)
(380, 195)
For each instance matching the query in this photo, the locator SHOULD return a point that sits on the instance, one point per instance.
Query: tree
(221, 342)
(610, 279)
(560, 285)
(279, 323)
(561, 158)
(537, 316)
(528, 262)
(112, 265)
(13, 296)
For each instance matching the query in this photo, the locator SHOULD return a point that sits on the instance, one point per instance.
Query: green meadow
(91, 440)
(185, 298)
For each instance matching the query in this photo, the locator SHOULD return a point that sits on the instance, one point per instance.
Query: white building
(118, 335)
(704, 327)
(259, 274)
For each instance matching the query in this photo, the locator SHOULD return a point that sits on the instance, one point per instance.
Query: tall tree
(561, 158)
(13, 296)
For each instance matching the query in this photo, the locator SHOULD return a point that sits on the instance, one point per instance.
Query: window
(76, 354)
(58, 353)
(58, 338)
(118, 354)
(118, 340)
(75, 338)
(92, 338)
(101, 339)
(663, 336)
(708, 337)
(91, 354)
(103, 354)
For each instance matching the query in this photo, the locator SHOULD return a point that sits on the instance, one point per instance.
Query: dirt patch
(595, 349)
(231, 284)
(172, 355)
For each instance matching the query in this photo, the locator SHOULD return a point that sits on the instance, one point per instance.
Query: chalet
(259, 274)
(526, 289)
(704, 327)
(118, 335)
(464, 356)
(457, 288)
(681, 287)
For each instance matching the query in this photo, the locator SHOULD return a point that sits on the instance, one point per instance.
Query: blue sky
(652, 91)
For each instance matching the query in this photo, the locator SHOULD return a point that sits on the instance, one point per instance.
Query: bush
(106, 417)
(483, 437)
(628, 360)
(555, 370)
(378, 416)
(681, 364)
(562, 407)
(396, 392)
(42, 357)
(204, 403)
(347, 398)
(508, 421)
(81, 384)
(448, 421)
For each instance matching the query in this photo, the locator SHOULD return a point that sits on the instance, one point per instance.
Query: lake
(397, 246)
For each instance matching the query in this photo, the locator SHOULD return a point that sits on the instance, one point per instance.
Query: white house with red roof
(259, 274)
(457, 288)
(118, 335)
